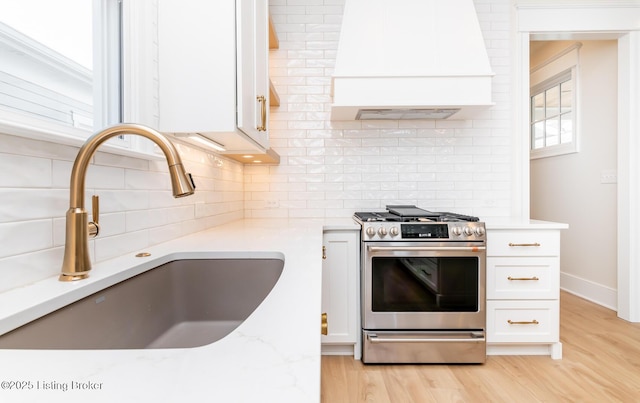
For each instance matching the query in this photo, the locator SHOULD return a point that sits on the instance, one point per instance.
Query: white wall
(568, 188)
(136, 206)
(332, 169)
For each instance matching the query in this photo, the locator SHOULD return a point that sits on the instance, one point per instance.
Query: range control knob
(468, 231)
(394, 231)
(456, 231)
(371, 231)
(382, 231)
(480, 231)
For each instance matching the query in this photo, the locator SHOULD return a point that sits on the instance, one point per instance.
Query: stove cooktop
(412, 214)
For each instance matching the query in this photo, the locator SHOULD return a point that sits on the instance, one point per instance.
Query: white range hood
(410, 59)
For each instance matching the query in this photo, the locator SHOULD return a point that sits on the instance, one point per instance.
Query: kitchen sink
(180, 304)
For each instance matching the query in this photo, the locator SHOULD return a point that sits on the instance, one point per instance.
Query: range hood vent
(410, 59)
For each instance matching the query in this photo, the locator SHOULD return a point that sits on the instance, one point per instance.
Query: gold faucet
(77, 262)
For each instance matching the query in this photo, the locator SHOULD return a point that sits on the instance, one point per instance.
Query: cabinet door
(197, 66)
(340, 284)
(252, 67)
(212, 66)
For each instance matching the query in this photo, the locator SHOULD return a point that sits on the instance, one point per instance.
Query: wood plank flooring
(601, 363)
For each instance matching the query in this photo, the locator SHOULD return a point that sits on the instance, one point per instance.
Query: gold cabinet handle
(263, 113)
(534, 278)
(94, 227)
(524, 244)
(324, 252)
(324, 325)
(533, 322)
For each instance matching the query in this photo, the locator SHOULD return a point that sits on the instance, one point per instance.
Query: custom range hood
(410, 59)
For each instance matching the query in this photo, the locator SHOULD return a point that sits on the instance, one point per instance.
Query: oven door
(423, 286)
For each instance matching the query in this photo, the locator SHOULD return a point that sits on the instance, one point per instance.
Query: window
(553, 105)
(60, 67)
(552, 113)
(43, 74)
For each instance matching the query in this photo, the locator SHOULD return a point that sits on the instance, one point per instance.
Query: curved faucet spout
(77, 262)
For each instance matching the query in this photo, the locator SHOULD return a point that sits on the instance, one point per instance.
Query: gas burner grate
(420, 216)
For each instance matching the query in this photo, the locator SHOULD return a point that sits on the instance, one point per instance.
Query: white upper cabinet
(213, 71)
(252, 19)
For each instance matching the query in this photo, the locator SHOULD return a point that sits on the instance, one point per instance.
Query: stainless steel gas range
(423, 286)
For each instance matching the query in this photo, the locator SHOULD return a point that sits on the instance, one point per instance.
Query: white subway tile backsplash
(23, 146)
(122, 200)
(104, 177)
(135, 179)
(136, 205)
(306, 213)
(25, 236)
(288, 187)
(167, 232)
(59, 231)
(26, 268)
(304, 19)
(323, 186)
(21, 171)
(184, 213)
(139, 220)
(17, 204)
(118, 245)
(112, 224)
(121, 161)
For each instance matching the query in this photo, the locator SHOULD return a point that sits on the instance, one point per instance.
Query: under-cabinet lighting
(207, 142)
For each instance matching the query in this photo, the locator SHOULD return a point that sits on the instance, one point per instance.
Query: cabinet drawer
(523, 278)
(523, 243)
(523, 321)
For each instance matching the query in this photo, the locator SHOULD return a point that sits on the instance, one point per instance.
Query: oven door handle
(442, 338)
(371, 248)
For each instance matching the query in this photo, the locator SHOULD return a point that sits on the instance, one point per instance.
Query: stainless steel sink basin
(183, 303)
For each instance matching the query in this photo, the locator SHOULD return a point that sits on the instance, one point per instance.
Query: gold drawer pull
(533, 322)
(524, 244)
(523, 278)
(324, 325)
(263, 113)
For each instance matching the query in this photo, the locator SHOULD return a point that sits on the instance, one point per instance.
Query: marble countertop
(273, 356)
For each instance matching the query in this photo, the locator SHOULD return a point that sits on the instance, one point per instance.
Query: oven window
(425, 284)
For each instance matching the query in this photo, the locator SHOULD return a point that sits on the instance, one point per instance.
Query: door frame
(586, 20)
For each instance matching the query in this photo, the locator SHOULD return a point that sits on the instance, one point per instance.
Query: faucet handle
(94, 228)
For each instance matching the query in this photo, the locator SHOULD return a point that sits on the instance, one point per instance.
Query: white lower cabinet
(523, 292)
(341, 291)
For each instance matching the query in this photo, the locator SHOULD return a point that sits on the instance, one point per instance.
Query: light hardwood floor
(601, 363)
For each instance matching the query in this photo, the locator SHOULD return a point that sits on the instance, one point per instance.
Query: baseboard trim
(338, 349)
(594, 292)
(554, 350)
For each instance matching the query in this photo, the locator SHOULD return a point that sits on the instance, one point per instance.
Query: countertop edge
(501, 223)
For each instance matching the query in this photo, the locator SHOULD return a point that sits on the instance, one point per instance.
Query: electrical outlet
(272, 204)
(609, 176)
